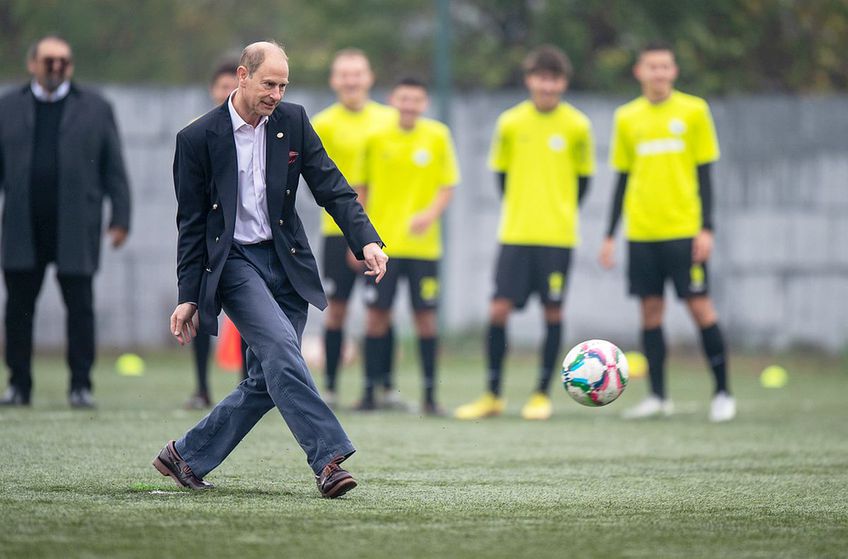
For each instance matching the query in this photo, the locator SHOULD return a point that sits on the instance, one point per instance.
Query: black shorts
(524, 270)
(652, 263)
(422, 277)
(338, 277)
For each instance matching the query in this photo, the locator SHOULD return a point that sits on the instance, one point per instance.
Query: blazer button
(282, 222)
(216, 239)
(288, 192)
(293, 250)
(215, 206)
(209, 270)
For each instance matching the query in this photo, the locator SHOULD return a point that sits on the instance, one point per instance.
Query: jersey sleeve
(584, 152)
(499, 152)
(621, 152)
(704, 137)
(450, 169)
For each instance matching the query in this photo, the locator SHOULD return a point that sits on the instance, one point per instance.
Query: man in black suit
(59, 157)
(241, 246)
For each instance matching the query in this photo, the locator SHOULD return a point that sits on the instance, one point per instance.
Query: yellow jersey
(404, 171)
(542, 155)
(660, 146)
(344, 133)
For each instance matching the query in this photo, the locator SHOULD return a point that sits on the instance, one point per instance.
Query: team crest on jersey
(556, 142)
(421, 157)
(676, 126)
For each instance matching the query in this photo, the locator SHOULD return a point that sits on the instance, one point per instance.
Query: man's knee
(652, 312)
(499, 311)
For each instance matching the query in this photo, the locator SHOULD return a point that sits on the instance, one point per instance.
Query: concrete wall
(780, 272)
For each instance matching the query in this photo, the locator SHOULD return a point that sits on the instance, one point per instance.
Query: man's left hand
(118, 236)
(376, 260)
(702, 246)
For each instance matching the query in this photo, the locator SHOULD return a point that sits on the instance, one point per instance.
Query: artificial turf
(773, 483)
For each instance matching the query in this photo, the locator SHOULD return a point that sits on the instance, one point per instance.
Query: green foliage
(723, 46)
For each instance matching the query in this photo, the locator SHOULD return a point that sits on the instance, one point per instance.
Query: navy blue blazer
(206, 184)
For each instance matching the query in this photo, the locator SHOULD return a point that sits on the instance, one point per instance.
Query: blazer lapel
(276, 163)
(71, 109)
(222, 154)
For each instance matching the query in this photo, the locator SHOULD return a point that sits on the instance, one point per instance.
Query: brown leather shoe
(334, 481)
(169, 463)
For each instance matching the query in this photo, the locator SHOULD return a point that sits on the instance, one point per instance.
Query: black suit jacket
(206, 183)
(90, 167)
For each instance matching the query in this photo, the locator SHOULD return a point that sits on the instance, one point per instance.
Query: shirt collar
(45, 96)
(236, 119)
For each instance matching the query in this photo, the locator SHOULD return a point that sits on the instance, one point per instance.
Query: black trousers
(22, 289)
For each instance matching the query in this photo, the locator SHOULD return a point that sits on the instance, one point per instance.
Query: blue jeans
(270, 315)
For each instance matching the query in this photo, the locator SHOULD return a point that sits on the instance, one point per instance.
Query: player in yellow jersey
(543, 155)
(343, 128)
(663, 145)
(410, 172)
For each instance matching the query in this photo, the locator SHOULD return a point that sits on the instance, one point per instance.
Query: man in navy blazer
(241, 246)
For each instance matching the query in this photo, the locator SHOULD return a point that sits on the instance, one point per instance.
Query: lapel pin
(280, 134)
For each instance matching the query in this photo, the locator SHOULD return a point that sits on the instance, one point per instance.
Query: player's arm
(702, 246)
(500, 180)
(608, 248)
(425, 218)
(582, 188)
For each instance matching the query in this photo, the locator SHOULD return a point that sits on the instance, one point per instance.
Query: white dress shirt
(252, 223)
(47, 97)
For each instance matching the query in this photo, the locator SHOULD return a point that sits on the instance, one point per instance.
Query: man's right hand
(184, 322)
(375, 260)
(607, 255)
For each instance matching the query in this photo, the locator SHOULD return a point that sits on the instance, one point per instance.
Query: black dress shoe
(334, 481)
(169, 463)
(14, 397)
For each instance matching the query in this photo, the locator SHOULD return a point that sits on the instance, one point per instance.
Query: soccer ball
(594, 373)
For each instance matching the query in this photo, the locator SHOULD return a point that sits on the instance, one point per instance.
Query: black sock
(388, 363)
(201, 363)
(333, 352)
(550, 351)
(713, 343)
(496, 348)
(373, 365)
(427, 347)
(654, 346)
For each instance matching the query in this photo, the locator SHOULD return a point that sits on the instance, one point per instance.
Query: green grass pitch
(774, 483)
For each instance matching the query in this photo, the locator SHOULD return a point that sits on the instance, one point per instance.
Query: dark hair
(32, 51)
(227, 68)
(253, 55)
(547, 59)
(410, 81)
(653, 46)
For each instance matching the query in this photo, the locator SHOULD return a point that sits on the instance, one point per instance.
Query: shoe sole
(340, 488)
(166, 472)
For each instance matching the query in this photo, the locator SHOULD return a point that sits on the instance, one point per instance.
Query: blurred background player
(224, 81)
(543, 155)
(662, 147)
(410, 172)
(344, 128)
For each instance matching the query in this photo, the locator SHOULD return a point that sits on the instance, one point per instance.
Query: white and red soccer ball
(595, 373)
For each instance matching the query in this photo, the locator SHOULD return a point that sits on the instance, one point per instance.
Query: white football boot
(652, 406)
(722, 408)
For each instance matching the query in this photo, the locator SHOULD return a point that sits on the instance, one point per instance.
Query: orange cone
(228, 353)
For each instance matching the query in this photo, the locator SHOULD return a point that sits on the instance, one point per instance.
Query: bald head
(254, 55)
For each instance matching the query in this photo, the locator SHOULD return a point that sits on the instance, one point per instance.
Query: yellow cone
(130, 365)
(637, 363)
(774, 376)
